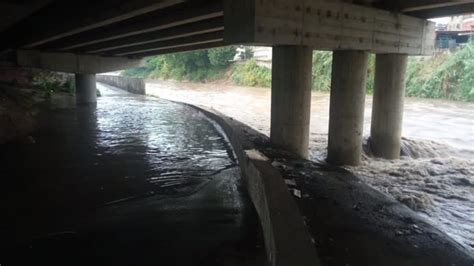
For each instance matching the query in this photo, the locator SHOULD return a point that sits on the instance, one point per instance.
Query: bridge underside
(147, 27)
(89, 36)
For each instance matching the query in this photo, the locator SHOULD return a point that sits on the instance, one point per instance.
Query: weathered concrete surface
(326, 25)
(86, 91)
(132, 85)
(350, 222)
(291, 98)
(346, 114)
(73, 63)
(387, 109)
(287, 240)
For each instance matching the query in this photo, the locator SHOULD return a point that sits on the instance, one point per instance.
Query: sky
(440, 20)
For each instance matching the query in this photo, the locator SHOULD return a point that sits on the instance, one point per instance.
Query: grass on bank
(447, 75)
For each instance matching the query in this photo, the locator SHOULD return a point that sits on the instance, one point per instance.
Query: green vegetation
(53, 82)
(322, 68)
(251, 74)
(448, 76)
(203, 65)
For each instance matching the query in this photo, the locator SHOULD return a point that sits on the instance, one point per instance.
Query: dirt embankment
(16, 119)
(24, 95)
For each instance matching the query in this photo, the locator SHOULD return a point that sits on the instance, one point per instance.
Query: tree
(221, 56)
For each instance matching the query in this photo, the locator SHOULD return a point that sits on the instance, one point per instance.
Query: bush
(151, 63)
(251, 74)
(370, 74)
(449, 76)
(53, 81)
(222, 56)
(322, 69)
(200, 65)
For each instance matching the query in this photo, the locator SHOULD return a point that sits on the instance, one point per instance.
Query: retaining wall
(287, 239)
(132, 85)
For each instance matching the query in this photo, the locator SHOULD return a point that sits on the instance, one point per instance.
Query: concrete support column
(86, 92)
(291, 98)
(346, 113)
(387, 109)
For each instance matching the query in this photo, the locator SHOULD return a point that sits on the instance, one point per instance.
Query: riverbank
(25, 94)
(445, 75)
(21, 107)
(349, 222)
(16, 121)
(435, 178)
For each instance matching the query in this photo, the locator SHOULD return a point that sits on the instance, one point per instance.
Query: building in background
(454, 32)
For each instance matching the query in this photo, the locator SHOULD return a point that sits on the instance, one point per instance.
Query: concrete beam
(179, 42)
(12, 12)
(66, 18)
(73, 63)
(387, 109)
(413, 5)
(416, 5)
(346, 110)
(185, 48)
(443, 11)
(201, 27)
(291, 98)
(326, 25)
(182, 14)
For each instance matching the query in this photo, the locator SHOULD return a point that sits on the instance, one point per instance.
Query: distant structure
(457, 32)
(461, 23)
(263, 56)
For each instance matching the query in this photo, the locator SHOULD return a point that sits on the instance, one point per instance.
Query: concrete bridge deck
(146, 27)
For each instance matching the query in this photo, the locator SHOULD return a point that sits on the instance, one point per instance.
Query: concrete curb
(287, 239)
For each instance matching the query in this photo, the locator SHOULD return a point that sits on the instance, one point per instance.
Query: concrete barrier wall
(345, 219)
(287, 239)
(132, 85)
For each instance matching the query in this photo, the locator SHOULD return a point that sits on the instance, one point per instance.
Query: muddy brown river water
(434, 177)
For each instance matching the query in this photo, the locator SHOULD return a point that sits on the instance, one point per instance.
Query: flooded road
(434, 177)
(135, 181)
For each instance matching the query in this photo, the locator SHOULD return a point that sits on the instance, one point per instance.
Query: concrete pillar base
(291, 98)
(387, 109)
(346, 114)
(86, 92)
